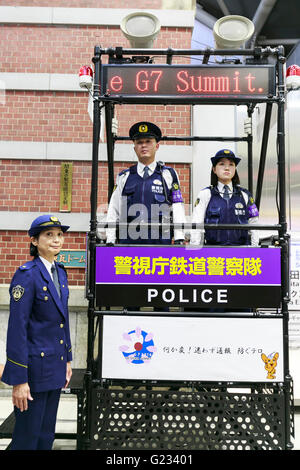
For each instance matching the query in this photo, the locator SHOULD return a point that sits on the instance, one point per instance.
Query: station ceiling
(277, 21)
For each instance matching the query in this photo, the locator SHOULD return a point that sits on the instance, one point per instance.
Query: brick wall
(142, 4)
(15, 251)
(44, 116)
(65, 48)
(32, 185)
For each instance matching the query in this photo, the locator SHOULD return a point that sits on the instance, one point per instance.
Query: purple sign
(154, 265)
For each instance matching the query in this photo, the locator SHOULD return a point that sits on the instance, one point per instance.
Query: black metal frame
(96, 388)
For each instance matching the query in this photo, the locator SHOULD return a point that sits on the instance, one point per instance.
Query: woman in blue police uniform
(147, 192)
(38, 338)
(224, 202)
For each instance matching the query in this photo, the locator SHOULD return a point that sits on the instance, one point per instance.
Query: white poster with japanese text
(294, 304)
(294, 276)
(193, 349)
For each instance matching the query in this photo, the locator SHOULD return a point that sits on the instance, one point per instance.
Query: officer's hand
(68, 374)
(110, 244)
(21, 395)
(179, 242)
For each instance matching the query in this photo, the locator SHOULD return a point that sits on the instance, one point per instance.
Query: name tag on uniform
(239, 212)
(157, 189)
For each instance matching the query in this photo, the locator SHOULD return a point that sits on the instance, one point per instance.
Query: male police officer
(38, 337)
(147, 192)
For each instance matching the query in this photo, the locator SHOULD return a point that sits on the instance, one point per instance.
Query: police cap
(43, 222)
(225, 153)
(144, 129)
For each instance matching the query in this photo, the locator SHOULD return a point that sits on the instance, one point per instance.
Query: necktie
(55, 279)
(226, 192)
(146, 172)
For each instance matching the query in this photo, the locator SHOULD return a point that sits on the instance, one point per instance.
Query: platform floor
(66, 422)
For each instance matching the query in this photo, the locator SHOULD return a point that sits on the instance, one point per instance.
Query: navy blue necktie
(226, 192)
(55, 279)
(146, 172)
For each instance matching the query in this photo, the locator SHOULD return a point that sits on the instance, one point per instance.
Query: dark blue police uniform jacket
(38, 337)
(231, 211)
(144, 191)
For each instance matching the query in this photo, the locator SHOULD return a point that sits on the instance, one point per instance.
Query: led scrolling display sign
(221, 81)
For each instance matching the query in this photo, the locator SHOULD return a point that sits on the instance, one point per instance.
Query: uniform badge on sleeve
(253, 211)
(176, 193)
(17, 292)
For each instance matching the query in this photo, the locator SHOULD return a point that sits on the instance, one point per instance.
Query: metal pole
(263, 154)
(94, 201)
(92, 241)
(258, 51)
(195, 138)
(250, 163)
(284, 242)
(109, 114)
(250, 152)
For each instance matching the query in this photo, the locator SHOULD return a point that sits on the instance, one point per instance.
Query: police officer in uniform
(224, 202)
(147, 192)
(38, 338)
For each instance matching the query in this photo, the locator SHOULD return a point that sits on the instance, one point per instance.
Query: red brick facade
(142, 4)
(31, 185)
(15, 251)
(65, 48)
(42, 116)
(23, 183)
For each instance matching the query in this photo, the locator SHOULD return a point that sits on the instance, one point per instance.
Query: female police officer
(224, 202)
(38, 338)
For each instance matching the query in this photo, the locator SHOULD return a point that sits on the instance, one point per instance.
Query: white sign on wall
(294, 304)
(193, 349)
(295, 276)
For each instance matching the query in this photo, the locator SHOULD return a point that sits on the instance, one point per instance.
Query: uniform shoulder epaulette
(164, 167)
(213, 189)
(124, 171)
(27, 266)
(169, 168)
(245, 190)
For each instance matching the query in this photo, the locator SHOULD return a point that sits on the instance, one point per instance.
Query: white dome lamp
(140, 28)
(232, 32)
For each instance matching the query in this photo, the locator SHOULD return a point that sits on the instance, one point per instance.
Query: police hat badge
(17, 292)
(43, 222)
(227, 154)
(142, 129)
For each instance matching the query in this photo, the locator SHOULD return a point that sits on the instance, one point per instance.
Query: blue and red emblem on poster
(138, 346)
